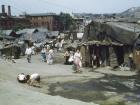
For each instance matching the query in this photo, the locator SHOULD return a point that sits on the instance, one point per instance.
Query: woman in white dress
(50, 57)
(77, 61)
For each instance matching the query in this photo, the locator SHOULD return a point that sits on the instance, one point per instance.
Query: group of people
(75, 59)
(31, 80)
(47, 54)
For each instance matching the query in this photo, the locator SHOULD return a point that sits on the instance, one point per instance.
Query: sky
(69, 6)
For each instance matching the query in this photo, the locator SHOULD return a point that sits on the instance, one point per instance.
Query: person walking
(28, 52)
(66, 55)
(43, 54)
(77, 61)
(71, 58)
(50, 57)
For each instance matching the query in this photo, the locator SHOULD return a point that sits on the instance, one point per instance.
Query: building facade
(45, 20)
(12, 22)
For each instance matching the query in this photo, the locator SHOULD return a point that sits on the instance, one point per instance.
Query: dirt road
(14, 93)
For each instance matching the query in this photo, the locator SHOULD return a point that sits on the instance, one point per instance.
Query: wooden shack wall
(136, 58)
(12, 51)
(101, 52)
(109, 55)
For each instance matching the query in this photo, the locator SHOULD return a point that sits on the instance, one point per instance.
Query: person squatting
(31, 80)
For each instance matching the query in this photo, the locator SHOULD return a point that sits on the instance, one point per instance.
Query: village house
(110, 43)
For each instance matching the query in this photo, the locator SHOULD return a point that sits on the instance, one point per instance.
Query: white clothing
(77, 55)
(33, 50)
(77, 59)
(50, 58)
(21, 77)
(43, 50)
(28, 51)
(48, 47)
(61, 43)
(34, 76)
(71, 59)
(51, 51)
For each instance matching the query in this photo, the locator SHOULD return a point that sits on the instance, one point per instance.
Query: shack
(11, 50)
(100, 54)
(136, 53)
(110, 42)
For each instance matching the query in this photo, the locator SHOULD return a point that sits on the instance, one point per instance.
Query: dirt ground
(14, 93)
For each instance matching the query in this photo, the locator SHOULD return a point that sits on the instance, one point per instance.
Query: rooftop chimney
(9, 10)
(3, 8)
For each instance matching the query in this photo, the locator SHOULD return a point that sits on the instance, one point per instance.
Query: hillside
(130, 12)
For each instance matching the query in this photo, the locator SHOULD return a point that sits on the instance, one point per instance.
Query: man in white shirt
(28, 52)
(33, 79)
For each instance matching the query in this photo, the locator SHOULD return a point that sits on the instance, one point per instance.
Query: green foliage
(65, 20)
(18, 27)
(92, 38)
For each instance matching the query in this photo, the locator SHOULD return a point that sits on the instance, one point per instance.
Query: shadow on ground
(100, 90)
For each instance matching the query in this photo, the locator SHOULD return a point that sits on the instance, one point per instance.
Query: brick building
(45, 20)
(11, 22)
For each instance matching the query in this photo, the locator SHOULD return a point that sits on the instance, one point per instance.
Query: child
(33, 79)
(22, 78)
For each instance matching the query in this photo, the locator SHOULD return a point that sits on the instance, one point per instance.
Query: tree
(65, 20)
(18, 27)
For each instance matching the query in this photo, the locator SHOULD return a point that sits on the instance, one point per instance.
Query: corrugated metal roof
(38, 36)
(32, 30)
(7, 32)
(29, 31)
(45, 30)
(53, 33)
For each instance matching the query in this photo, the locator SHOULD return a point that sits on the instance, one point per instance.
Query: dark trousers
(66, 60)
(29, 58)
(43, 57)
